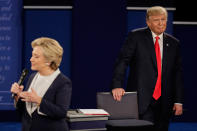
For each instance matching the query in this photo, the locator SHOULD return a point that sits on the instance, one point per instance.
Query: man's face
(157, 23)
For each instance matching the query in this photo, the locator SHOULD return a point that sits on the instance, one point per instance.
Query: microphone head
(24, 72)
(23, 75)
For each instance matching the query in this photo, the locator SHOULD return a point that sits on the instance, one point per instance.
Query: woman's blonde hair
(156, 10)
(52, 50)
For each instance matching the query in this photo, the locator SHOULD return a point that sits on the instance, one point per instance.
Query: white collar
(160, 36)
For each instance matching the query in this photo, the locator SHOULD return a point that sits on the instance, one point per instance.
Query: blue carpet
(178, 126)
(183, 126)
(10, 126)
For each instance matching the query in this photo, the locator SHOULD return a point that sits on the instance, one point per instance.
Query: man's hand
(118, 93)
(178, 108)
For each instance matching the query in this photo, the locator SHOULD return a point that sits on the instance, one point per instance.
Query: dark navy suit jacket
(138, 54)
(54, 104)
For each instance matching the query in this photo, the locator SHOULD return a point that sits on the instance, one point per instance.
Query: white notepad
(94, 111)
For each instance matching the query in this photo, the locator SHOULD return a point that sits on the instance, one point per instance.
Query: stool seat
(128, 123)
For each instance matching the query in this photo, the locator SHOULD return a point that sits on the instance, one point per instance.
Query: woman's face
(38, 61)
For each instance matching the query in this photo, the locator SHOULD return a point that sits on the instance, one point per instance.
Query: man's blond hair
(156, 10)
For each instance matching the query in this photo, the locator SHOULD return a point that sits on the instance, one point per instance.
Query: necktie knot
(157, 42)
(157, 38)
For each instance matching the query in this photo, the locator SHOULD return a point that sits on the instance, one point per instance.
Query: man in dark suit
(155, 70)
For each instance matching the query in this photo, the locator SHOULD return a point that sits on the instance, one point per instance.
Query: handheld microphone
(22, 78)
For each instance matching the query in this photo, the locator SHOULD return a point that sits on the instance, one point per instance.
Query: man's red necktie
(157, 91)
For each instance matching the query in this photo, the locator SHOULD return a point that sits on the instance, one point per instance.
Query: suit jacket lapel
(150, 43)
(165, 47)
(51, 87)
(29, 81)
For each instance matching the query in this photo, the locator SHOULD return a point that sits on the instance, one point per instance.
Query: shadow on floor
(175, 126)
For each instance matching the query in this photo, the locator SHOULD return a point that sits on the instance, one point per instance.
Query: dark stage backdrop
(47, 2)
(91, 34)
(99, 29)
(187, 36)
(10, 49)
